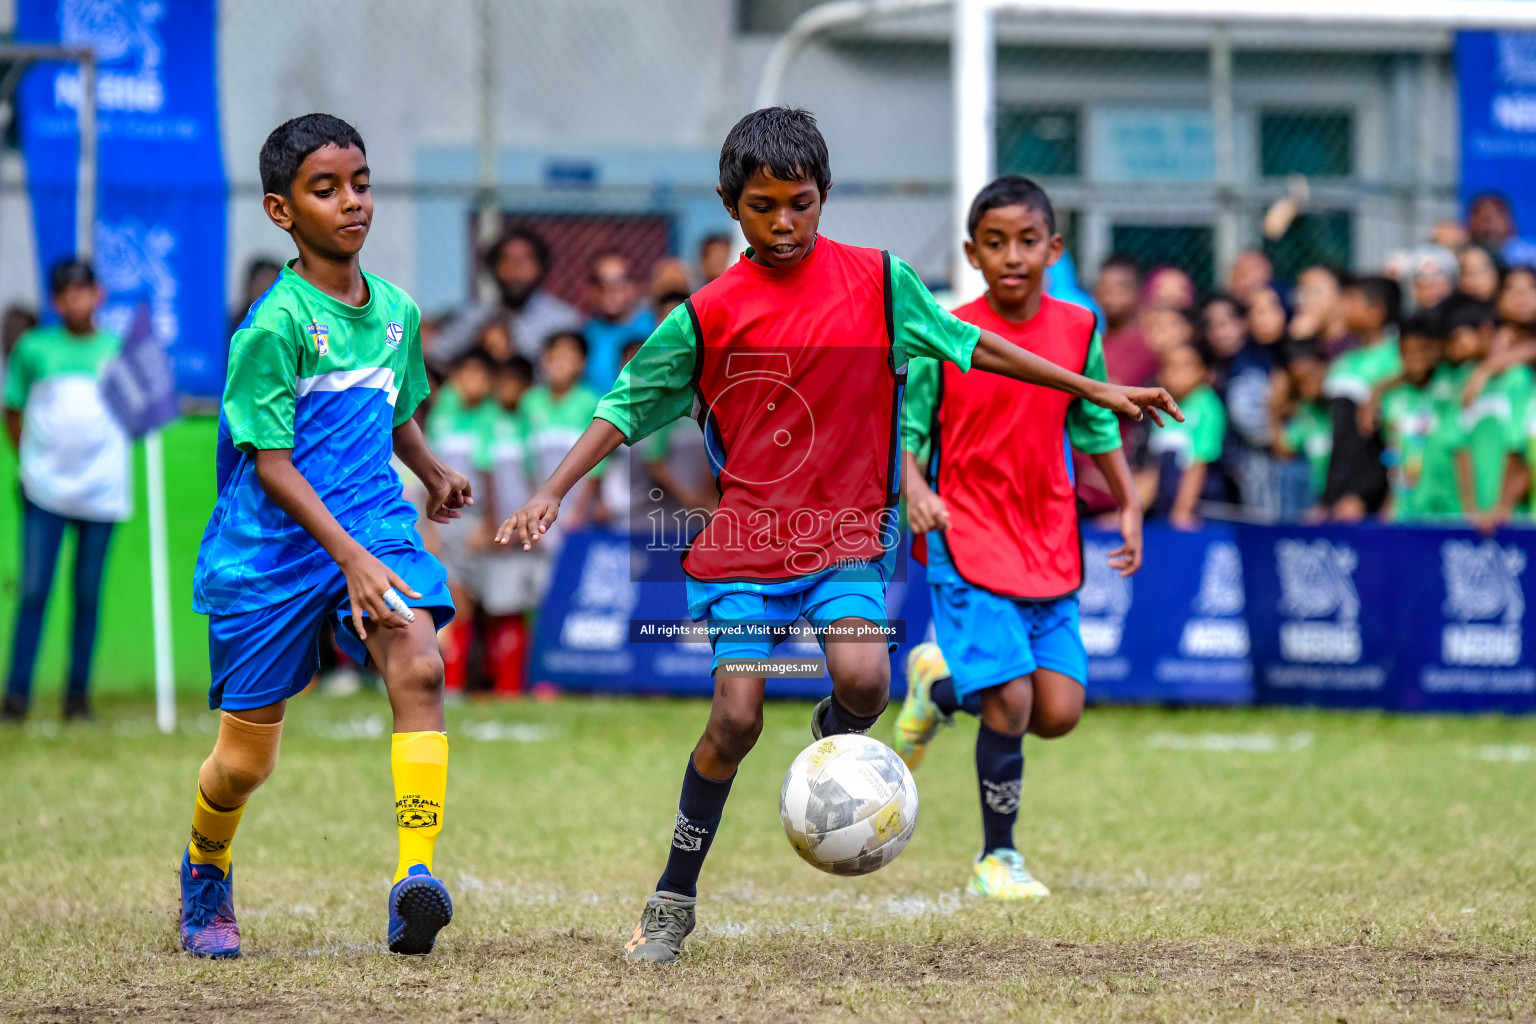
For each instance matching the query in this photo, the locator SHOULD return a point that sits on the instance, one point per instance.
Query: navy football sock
(698, 817)
(838, 720)
(1000, 770)
(943, 695)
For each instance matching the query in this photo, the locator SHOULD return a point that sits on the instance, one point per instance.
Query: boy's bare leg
(735, 722)
(861, 683)
(1058, 704)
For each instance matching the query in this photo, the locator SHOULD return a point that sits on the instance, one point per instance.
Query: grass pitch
(1206, 866)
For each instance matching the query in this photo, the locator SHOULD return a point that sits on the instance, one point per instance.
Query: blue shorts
(988, 639)
(269, 654)
(770, 609)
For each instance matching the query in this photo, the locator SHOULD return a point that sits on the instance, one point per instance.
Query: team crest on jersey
(393, 332)
(322, 337)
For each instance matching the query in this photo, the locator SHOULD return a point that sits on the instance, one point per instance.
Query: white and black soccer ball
(848, 804)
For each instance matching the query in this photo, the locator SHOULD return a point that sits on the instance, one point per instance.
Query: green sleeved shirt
(1092, 429)
(656, 387)
(1491, 429)
(1310, 434)
(1198, 439)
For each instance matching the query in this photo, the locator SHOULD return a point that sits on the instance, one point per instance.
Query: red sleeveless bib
(1003, 465)
(799, 402)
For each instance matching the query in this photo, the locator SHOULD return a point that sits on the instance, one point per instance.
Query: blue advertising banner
(1398, 618)
(1173, 633)
(1406, 619)
(159, 237)
(1496, 73)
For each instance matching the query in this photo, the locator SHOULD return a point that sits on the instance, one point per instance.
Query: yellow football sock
(420, 764)
(213, 831)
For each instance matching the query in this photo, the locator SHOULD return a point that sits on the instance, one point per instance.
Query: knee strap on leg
(242, 759)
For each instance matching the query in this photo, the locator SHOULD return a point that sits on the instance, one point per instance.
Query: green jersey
(1492, 425)
(1199, 438)
(1355, 374)
(74, 453)
(504, 458)
(553, 424)
(1423, 432)
(457, 433)
(1310, 435)
(330, 382)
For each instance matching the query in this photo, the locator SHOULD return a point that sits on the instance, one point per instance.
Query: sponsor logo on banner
(1319, 606)
(1217, 631)
(1104, 599)
(599, 616)
(132, 260)
(127, 43)
(1483, 603)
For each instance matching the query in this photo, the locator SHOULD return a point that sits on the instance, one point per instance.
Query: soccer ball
(848, 804)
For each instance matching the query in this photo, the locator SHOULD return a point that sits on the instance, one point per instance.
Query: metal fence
(598, 116)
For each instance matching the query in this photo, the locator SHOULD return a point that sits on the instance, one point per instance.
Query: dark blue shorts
(988, 639)
(269, 654)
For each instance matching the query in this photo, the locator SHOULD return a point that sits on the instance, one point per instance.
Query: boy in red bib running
(794, 361)
(989, 489)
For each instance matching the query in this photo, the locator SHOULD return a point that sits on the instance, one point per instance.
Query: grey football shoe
(664, 923)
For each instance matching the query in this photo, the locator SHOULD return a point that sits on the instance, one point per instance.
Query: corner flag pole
(160, 583)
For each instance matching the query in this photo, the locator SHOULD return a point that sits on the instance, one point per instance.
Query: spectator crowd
(1405, 395)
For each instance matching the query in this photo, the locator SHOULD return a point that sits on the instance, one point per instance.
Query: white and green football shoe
(1001, 875)
(920, 718)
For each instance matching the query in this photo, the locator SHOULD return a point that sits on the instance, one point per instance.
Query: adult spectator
(716, 252)
(1479, 274)
(1244, 367)
(669, 274)
(1320, 310)
(1251, 273)
(1491, 223)
(1357, 479)
(1169, 288)
(1127, 358)
(518, 261)
(74, 474)
(618, 317)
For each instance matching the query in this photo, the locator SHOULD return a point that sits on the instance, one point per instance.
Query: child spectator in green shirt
(1181, 475)
(1421, 418)
(1307, 434)
(1490, 416)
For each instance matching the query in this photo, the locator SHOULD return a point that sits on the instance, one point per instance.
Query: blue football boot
(208, 925)
(419, 908)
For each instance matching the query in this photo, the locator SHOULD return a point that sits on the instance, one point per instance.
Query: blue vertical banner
(1496, 74)
(159, 237)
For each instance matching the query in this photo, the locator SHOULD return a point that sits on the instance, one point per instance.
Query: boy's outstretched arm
(1117, 471)
(447, 490)
(367, 577)
(531, 521)
(996, 354)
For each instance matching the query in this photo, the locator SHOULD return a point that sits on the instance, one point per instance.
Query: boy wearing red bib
(990, 497)
(794, 362)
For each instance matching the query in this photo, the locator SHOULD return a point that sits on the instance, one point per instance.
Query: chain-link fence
(596, 118)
